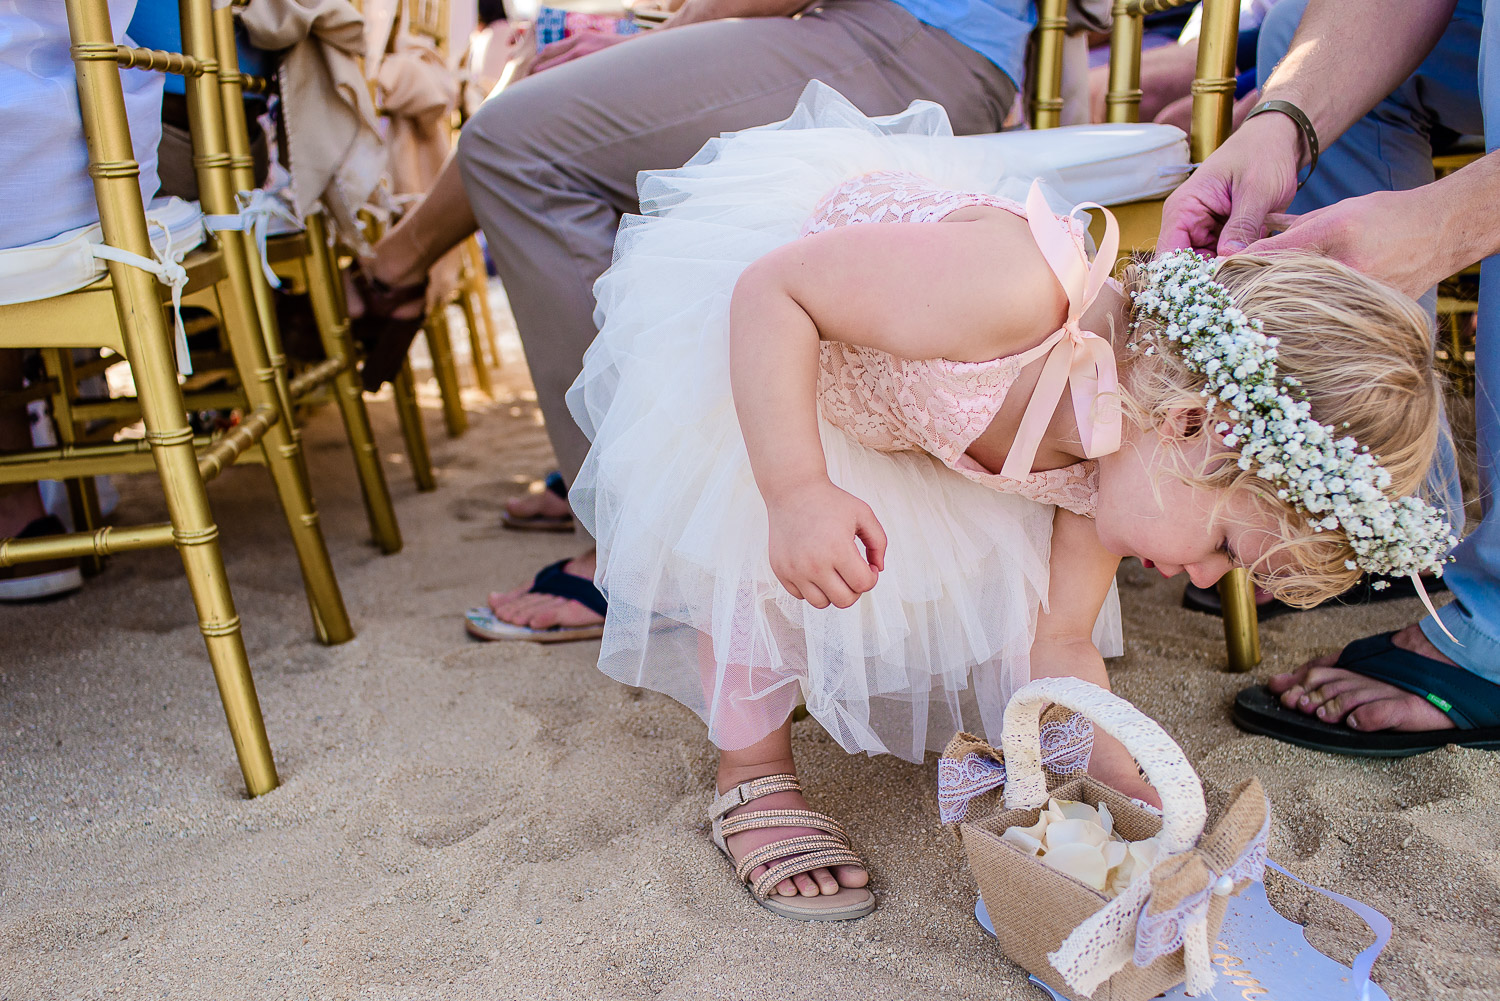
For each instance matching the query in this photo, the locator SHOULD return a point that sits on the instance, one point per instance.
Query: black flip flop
(1469, 700)
(482, 623)
(1206, 599)
(385, 338)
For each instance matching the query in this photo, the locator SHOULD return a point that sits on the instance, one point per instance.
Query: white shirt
(1252, 12)
(45, 188)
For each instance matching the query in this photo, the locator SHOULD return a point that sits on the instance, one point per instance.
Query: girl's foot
(810, 884)
(1336, 695)
(544, 510)
(797, 863)
(524, 607)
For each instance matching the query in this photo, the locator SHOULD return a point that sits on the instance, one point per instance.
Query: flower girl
(871, 434)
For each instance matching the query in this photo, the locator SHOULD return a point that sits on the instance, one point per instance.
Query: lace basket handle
(1166, 767)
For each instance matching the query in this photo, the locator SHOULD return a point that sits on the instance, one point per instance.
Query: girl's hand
(816, 534)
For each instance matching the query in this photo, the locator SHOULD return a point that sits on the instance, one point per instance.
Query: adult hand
(575, 47)
(1222, 207)
(813, 547)
(1388, 235)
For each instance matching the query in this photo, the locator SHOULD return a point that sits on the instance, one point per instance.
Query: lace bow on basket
(971, 767)
(1169, 907)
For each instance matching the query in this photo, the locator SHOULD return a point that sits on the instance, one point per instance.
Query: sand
(467, 820)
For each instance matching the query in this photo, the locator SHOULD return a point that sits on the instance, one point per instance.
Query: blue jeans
(1456, 88)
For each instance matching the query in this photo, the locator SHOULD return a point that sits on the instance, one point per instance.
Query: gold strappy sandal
(807, 851)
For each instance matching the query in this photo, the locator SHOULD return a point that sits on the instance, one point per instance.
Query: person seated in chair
(45, 190)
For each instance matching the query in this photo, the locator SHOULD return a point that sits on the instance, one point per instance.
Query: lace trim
(934, 405)
(1066, 748)
(1157, 935)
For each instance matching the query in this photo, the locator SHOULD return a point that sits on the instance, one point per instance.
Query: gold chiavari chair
(300, 253)
(306, 260)
(124, 313)
(1140, 221)
(404, 385)
(1458, 296)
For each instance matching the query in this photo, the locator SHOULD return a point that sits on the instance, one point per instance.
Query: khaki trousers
(550, 162)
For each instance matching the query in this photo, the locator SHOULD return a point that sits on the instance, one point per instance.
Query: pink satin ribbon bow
(1077, 359)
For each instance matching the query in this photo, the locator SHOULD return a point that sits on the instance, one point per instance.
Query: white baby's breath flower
(1330, 477)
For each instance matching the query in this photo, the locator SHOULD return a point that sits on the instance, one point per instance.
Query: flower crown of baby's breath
(1333, 479)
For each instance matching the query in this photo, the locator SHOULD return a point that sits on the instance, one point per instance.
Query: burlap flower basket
(1155, 934)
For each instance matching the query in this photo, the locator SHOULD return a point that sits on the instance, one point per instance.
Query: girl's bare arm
(969, 291)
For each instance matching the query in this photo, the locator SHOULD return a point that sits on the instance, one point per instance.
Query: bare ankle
(771, 756)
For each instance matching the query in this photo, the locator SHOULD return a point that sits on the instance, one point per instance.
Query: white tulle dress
(944, 638)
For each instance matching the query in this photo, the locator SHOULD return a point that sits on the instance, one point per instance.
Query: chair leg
(476, 344)
(83, 493)
(1241, 628)
(264, 386)
(198, 543)
(333, 330)
(403, 389)
(163, 411)
(440, 347)
(480, 287)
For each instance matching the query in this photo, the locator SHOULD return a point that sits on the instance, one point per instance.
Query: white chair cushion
(64, 263)
(1108, 164)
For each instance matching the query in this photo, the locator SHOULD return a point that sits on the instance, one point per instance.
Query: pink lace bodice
(934, 405)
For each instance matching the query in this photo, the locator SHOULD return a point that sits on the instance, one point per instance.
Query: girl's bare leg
(773, 756)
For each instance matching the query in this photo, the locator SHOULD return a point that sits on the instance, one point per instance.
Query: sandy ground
(467, 820)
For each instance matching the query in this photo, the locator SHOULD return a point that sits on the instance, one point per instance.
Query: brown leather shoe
(385, 338)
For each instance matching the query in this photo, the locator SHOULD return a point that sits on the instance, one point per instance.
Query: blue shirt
(157, 25)
(996, 29)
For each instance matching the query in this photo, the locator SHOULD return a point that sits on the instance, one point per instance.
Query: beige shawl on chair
(334, 150)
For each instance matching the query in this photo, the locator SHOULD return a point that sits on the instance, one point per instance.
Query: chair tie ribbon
(1077, 359)
(167, 270)
(256, 211)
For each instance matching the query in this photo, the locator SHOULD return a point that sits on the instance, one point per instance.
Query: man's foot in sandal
(796, 862)
(544, 510)
(1391, 695)
(560, 605)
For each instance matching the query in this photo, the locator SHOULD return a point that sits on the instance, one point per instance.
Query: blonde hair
(1363, 354)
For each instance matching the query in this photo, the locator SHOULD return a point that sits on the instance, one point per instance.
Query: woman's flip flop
(1469, 700)
(482, 622)
(542, 522)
